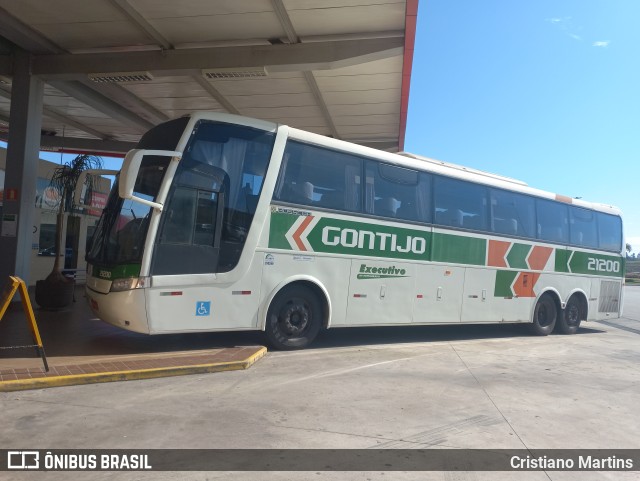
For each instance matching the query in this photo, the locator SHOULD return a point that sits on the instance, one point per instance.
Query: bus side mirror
(129, 173)
(130, 169)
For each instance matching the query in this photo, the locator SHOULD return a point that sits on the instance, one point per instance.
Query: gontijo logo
(383, 241)
(325, 234)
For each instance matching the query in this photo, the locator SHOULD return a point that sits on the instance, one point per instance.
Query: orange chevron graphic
(497, 251)
(524, 284)
(538, 257)
(296, 235)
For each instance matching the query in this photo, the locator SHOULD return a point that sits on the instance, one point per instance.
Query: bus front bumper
(126, 309)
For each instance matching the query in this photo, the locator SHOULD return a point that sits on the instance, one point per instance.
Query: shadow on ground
(77, 332)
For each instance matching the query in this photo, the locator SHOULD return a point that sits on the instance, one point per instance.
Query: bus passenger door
(380, 292)
(438, 294)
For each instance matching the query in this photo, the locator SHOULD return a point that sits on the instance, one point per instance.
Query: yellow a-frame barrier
(17, 284)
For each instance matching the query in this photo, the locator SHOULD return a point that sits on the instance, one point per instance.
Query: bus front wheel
(294, 318)
(544, 316)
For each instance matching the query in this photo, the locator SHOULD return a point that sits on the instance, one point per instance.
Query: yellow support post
(17, 284)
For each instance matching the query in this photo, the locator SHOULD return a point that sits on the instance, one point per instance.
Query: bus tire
(572, 314)
(544, 316)
(294, 318)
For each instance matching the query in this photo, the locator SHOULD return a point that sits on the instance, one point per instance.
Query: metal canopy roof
(114, 68)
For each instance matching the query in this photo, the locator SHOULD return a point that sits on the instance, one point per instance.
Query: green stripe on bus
(562, 256)
(459, 249)
(596, 264)
(339, 236)
(118, 272)
(504, 280)
(517, 256)
(280, 225)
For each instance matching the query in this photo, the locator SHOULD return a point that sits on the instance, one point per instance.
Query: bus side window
(387, 206)
(400, 192)
(513, 213)
(583, 227)
(506, 226)
(298, 192)
(333, 199)
(179, 217)
(319, 177)
(553, 221)
(609, 232)
(460, 204)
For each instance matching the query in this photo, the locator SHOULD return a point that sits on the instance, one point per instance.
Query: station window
(47, 240)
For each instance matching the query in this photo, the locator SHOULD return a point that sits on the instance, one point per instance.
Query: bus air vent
(609, 296)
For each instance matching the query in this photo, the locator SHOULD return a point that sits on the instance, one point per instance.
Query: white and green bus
(219, 222)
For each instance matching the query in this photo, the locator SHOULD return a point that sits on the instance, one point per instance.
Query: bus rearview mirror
(129, 172)
(130, 169)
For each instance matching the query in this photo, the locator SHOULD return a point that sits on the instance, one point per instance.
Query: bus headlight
(129, 283)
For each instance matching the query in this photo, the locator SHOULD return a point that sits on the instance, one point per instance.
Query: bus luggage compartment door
(380, 292)
(438, 294)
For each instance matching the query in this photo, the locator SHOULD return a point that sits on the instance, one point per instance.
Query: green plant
(64, 180)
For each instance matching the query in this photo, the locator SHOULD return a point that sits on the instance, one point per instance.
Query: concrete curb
(133, 375)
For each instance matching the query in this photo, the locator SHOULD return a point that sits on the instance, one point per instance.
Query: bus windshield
(122, 228)
(212, 199)
(209, 207)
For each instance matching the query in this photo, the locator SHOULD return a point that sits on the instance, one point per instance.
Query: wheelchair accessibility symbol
(203, 308)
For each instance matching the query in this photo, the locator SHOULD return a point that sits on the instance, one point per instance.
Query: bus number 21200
(603, 265)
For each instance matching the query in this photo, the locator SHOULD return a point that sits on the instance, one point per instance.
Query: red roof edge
(410, 21)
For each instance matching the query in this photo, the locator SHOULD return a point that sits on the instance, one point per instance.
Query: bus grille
(609, 296)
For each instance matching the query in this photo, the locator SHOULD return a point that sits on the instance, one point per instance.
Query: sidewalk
(82, 349)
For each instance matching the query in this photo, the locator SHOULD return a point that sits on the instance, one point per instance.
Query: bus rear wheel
(544, 316)
(573, 313)
(294, 318)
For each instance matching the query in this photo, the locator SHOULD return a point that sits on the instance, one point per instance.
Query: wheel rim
(546, 315)
(294, 318)
(572, 315)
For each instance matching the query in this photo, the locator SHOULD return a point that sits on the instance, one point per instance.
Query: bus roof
(462, 168)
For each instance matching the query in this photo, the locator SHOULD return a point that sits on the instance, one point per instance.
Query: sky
(544, 91)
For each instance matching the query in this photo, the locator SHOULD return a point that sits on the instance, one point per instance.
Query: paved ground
(462, 386)
(82, 350)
